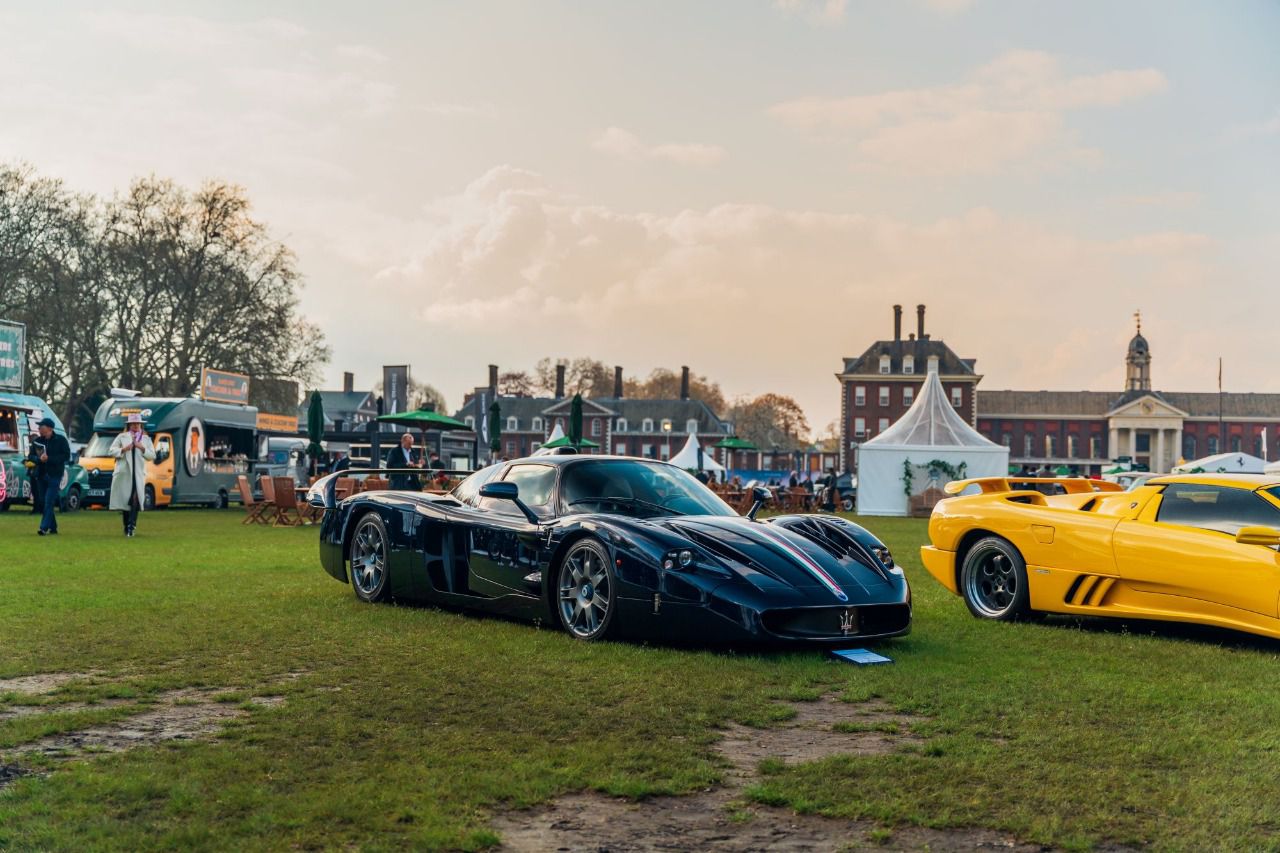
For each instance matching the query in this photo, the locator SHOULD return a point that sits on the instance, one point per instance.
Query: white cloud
(949, 7)
(824, 12)
(535, 267)
(625, 144)
(1009, 113)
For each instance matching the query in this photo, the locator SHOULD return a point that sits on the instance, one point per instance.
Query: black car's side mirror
(508, 492)
(761, 495)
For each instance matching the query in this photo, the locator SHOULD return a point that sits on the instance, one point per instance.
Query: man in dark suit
(404, 456)
(54, 458)
(35, 472)
(343, 462)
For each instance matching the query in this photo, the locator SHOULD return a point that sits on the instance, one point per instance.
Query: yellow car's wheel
(993, 581)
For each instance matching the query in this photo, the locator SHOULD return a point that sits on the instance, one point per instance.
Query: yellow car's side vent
(1089, 590)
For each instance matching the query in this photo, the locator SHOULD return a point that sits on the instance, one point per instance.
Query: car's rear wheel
(846, 504)
(586, 591)
(72, 501)
(148, 498)
(993, 581)
(369, 558)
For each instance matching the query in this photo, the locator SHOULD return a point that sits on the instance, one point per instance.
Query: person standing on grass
(35, 472)
(54, 457)
(133, 450)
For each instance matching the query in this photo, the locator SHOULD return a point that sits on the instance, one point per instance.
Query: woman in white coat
(133, 450)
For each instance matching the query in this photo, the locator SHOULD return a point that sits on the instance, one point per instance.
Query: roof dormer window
(884, 364)
(909, 364)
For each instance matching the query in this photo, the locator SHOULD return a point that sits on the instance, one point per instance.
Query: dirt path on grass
(174, 715)
(720, 819)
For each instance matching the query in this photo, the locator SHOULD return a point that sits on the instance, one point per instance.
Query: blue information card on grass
(860, 656)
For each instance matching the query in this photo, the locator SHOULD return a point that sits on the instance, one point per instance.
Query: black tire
(223, 500)
(370, 556)
(148, 498)
(846, 504)
(71, 503)
(993, 581)
(586, 613)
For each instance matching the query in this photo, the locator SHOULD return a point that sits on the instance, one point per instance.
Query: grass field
(408, 727)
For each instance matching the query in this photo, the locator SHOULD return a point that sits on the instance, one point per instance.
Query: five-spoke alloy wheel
(993, 581)
(369, 552)
(585, 591)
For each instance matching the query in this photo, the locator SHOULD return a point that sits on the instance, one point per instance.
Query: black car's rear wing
(321, 493)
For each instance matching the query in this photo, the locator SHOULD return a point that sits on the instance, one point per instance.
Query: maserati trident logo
(847, 622)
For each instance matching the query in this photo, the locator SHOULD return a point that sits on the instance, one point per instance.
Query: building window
(470, 422)
(622, 425)
(1095, 447)
(1027, 442)
(884, 395)
(1049, 447)
(1235, 444)
(646, 425)
(1073, 447)
(957, 397)
(933, 364)
(534, 446)
(1257, 446)
(513, 424)
(1212, 445)
(537, 424)
(1188, 447)
(884, 364)
(596, 428)
(859, 427)
(646, 450)
(691, 426)
(620, 448)
(511, 449)
(908, 395)
(664, 452)
(909, 364)
(860, 395)
(883, 425)
(1007, 440)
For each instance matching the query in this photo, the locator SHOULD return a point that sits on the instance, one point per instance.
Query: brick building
(1089, 429)
(877, 387)
(654, 429)
(1085, 430)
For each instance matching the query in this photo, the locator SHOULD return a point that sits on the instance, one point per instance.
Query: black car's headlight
(684, 559)
(886, 559)
(689, 560)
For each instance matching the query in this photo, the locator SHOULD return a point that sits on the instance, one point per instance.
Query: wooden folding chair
(343, 487)
(273, 514)
(372, 484)
(286, 501)
(253, 508)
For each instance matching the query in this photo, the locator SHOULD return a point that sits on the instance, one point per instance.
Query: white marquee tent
(687, 458)
(930, 431)
(1223, 463)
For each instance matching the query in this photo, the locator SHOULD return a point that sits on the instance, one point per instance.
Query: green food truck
(19, 414)
(201, 448)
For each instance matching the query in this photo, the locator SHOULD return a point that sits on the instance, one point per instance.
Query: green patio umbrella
(495, 426)
(575, 421)
(563, 441)
(424, 419)
(315, 428)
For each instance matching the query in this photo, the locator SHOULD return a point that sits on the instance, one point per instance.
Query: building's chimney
(617, 382)
(559, 381)
(348, 383)
(920, 323)
(897, 323)
(493, 378)
(684, 383)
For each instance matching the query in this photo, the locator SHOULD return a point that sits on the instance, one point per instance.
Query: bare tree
(664, 384)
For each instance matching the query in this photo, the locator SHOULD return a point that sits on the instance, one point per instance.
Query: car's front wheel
(586, 590)
(71, 502)
(369, 558)
(993, 581)
(148, 498)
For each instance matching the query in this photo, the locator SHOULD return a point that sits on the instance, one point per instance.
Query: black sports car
(615, 546)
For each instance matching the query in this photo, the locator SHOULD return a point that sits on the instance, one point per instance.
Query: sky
(745, 187)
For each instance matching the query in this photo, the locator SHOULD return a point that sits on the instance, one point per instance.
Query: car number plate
(97, 493)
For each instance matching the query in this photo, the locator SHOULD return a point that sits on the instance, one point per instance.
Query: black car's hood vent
(768, 554)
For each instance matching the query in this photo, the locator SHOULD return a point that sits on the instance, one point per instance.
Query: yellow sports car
(1190, 548)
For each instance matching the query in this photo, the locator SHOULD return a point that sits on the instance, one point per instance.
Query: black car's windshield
(636, 487)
